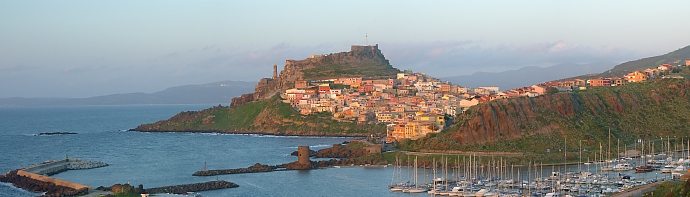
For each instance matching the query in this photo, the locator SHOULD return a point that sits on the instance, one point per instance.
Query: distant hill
(210, 93)
(526, 76)
(676, 57)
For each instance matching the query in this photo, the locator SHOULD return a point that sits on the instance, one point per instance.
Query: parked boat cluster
(482, 176)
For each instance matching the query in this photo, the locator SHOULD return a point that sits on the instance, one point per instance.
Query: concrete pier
(49, 168)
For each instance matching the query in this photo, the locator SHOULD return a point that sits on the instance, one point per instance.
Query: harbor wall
(58, 182)
(54, 167)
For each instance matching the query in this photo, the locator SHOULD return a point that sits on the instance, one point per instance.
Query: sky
(82, 48)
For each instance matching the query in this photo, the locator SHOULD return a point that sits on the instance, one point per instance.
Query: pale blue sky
(84, 48)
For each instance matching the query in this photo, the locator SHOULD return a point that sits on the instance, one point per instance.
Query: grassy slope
(652, 120)
(366, 69)
(267, 116)
(672, 188)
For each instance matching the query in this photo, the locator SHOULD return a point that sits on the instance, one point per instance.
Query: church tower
(275, 71)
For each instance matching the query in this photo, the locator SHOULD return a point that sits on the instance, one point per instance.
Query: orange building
(599, 82)
(444, 87)
(635, 77)
(687, 62)
(353, 82)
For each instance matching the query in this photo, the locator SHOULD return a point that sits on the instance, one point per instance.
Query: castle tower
(303, 155)
(275, 71)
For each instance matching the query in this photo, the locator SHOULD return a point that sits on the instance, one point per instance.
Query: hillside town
(661, 71)
(413, 105)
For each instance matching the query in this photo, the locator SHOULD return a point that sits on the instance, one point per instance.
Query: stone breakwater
(257, 168)
(251, 169)
(40, 183)
(194, 187)
(57, 166)
(36, 177)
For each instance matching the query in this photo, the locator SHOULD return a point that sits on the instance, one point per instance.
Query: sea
(162, 159)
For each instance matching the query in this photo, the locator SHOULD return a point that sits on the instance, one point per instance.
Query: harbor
(620, 173)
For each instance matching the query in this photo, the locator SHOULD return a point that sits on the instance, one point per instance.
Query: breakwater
(251, 169)
(57, 166)
(40, 183)
(194, 187)
(36, 177)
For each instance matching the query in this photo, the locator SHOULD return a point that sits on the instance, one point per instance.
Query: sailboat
(416, 188)
(397, 173)
(644, 167)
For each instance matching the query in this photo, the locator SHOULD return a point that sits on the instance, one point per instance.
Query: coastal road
(638, 191)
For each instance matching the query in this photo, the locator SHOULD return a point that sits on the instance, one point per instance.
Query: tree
(551, 90)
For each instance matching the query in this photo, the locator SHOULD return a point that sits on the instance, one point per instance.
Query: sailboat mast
(579, 166)
(608, 152)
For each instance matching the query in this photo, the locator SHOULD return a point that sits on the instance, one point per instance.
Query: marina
(492, 176)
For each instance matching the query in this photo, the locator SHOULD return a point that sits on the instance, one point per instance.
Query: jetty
(194, 187)
(53, 167)
(37, 178)
(256, 168)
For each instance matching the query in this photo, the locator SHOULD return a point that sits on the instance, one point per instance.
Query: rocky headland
(262, 112)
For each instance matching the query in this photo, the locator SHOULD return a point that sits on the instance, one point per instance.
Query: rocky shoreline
(341, 155)
(295, 134)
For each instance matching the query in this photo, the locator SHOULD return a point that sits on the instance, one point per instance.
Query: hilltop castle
(294, 70)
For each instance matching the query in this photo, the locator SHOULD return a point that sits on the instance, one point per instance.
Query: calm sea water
(159, 159)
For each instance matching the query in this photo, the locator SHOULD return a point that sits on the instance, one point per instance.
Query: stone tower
(275, 72)
(303, 155)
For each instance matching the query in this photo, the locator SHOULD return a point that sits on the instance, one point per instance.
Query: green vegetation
(267, 116)
(366, 69)
(671, 189)
(648, 110)
(126, 195)
(241, 117)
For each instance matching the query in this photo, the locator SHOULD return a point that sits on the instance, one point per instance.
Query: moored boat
(643, 169)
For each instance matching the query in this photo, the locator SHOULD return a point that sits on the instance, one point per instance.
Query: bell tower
(275, 71)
